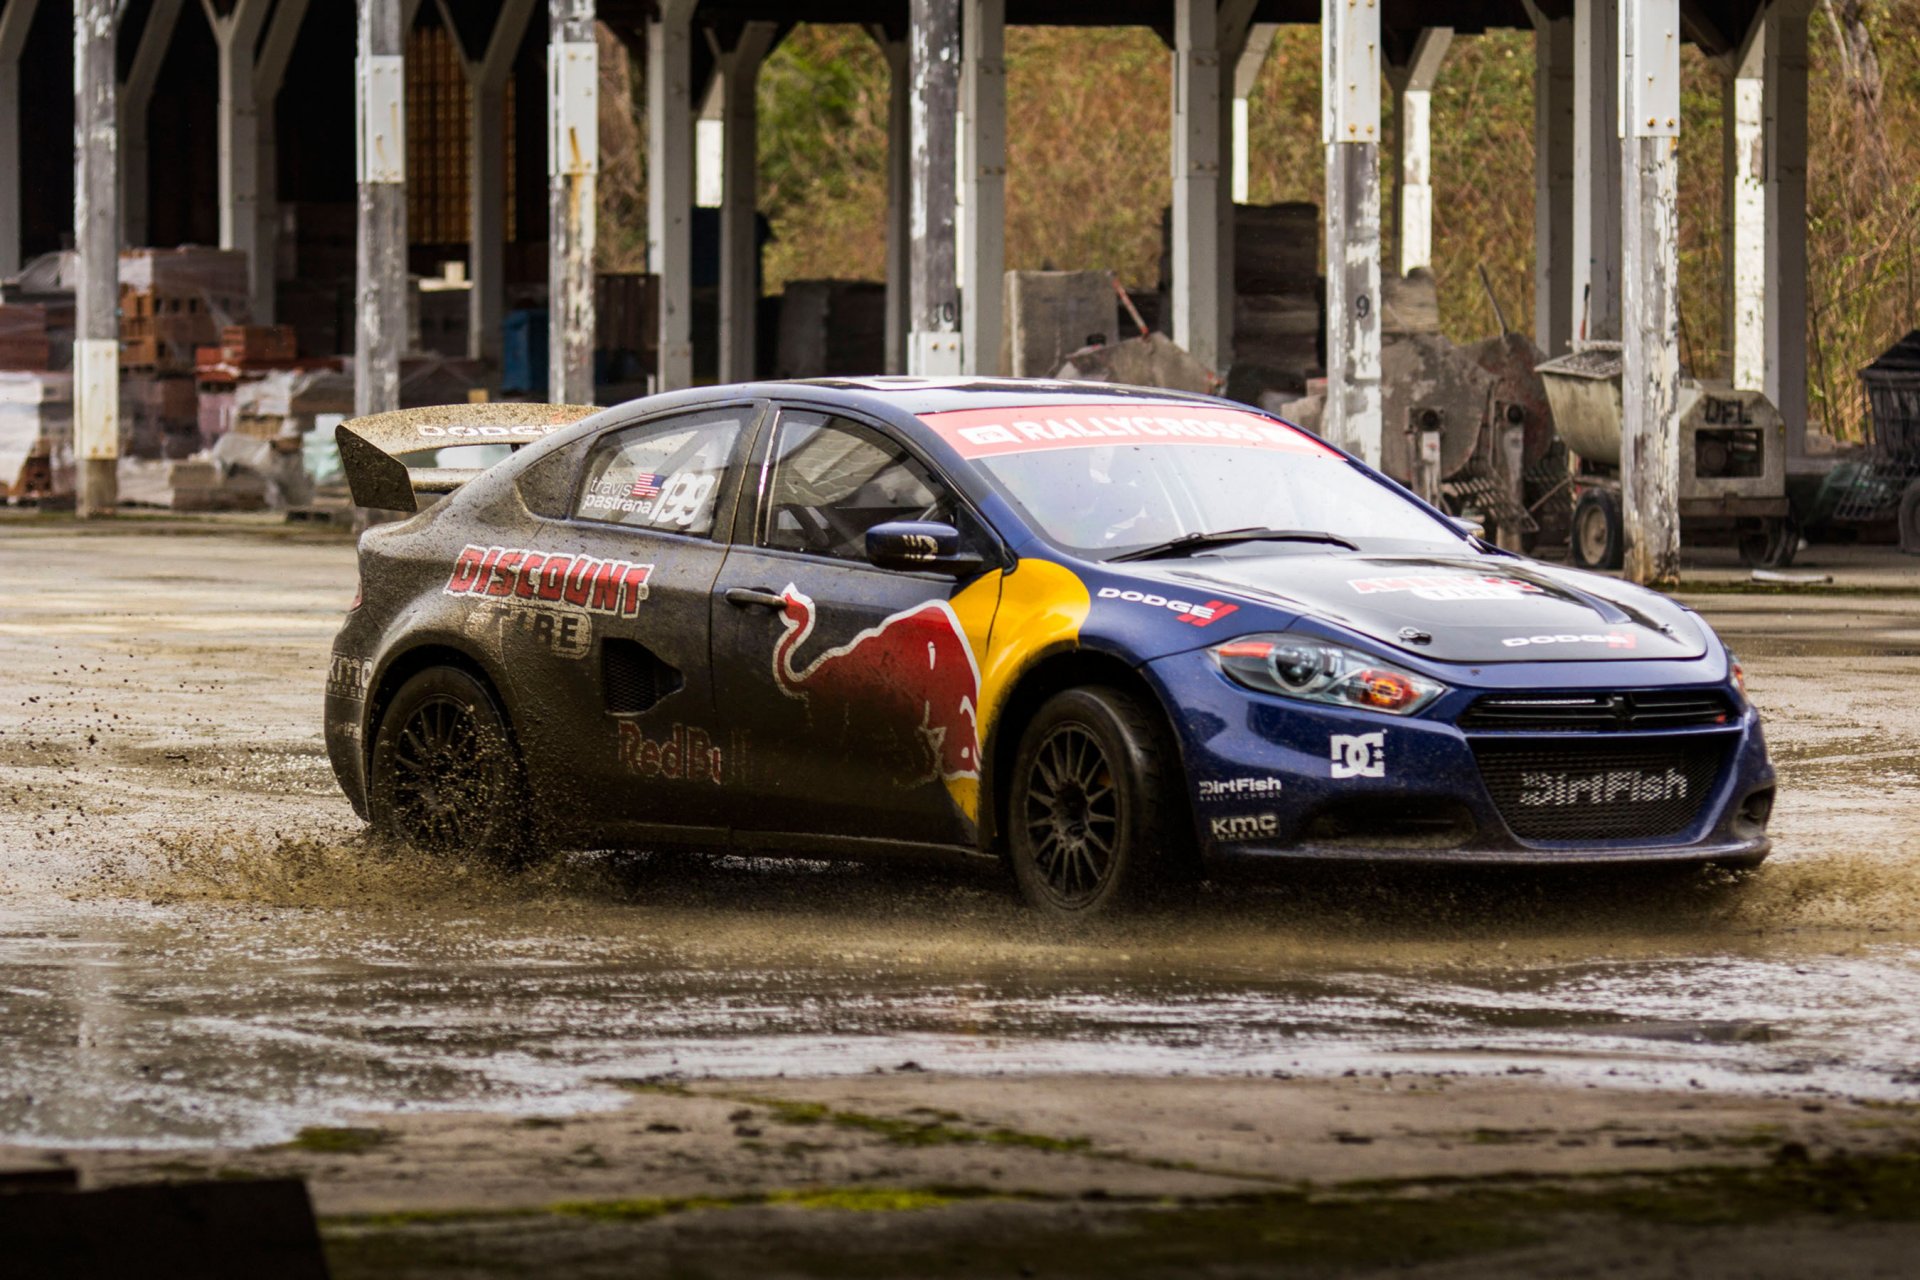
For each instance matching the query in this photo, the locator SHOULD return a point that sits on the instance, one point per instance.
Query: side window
(834, 479)
(665, 475)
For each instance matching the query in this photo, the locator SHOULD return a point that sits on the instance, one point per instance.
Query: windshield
(1102, 480)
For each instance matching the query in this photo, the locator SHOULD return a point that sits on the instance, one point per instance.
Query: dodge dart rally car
(1110, 636)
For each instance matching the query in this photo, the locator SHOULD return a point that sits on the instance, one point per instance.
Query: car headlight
(1738, 674)
(1315, 671)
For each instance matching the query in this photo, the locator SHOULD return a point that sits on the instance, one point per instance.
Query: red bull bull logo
(913, 669)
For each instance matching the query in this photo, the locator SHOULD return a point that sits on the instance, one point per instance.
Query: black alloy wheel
(445, 775)
(1090, 823)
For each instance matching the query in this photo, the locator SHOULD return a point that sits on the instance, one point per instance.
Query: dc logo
(1359, 755)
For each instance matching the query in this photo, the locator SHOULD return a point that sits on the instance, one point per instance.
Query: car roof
(918, 396)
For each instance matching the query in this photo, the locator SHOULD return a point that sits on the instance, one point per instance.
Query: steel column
(933, 59)
(235, 34)
(670, 185)
(1784, 109)
(15, 19)
(1413, 147)
(1650, 277)
(573, 169)
(1553, 114)
(740, 200)
(1595, 251)
(380, 312)
(96, 234)
(136, 93)
(1350, 130)
(984, 164)
(1196, 180)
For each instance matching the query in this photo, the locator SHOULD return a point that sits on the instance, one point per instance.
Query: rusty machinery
(1732, 460)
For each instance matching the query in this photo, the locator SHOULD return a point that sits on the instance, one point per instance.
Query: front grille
(1600, 790)
(1599, 712)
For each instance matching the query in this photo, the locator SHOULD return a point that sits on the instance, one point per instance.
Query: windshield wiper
(1226, 537)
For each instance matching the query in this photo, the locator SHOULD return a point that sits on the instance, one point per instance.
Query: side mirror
(923, 545)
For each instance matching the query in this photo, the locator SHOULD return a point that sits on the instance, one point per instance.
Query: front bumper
(1274, 779)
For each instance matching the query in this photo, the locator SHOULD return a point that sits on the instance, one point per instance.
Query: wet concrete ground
(198, 952)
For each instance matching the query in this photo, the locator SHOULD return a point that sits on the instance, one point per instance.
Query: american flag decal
(645, 485)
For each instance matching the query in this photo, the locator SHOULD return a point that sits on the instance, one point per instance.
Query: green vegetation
(339, 1142)
(917, 1132)
(1088, 114)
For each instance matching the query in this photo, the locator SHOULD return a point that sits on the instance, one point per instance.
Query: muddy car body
(893, 617)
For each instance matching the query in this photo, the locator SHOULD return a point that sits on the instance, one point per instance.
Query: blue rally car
(1113, 637)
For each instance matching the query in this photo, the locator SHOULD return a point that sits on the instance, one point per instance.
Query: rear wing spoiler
(372, 448)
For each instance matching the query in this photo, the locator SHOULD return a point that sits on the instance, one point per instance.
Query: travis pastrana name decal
(599, 586)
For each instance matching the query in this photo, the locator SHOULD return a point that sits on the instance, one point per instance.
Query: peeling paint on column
(381, 241)
(934, 307)
(573, 168)
(1350, 93)
(96, 228)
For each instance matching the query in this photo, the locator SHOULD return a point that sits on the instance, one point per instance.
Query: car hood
(1461, 609)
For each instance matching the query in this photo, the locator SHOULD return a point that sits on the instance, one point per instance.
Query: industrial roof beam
(573, 173)
(1350, 130)
(933, 61)
(984, 164)
(1650, 281)
(269, 73)
(136, 93)
(96, 235)
(380, 309)
(487, 61)
(236, 32)
(1412, 83)
(670, 186)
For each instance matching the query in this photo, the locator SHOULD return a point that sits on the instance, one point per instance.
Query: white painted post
(1413, 147)
(710, 143)
(136, 93)
(1350, 130)
(1246, 77)
(96, 234)
(234, 35)
(269, 73)
(983, 163)
(1784, 99)
(487, 181)
(1744, 223)
(740, 202)
(1196, 180)
(1596, 169)
(15, 19)
(1650, 277)
(1553, 195)
(573, 169)
(1233, 26)
(670, 185)
(380, 309)
(933, 56)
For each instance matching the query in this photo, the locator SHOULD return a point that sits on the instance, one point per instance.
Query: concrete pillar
(1744, 220)
(983, 164)
(96, 234)
(1650, 279)
(380, 311)
(1595, 251)
(15, 19)
(1232, 30)
(235, 34)
(1196, 180)
(1413, 147)
(1784, 117)
(933, 57)
(1553, 113)
(899, 204)
(487, 178)
(740, 199)
(1350, 130)
(269, 73)
(670, 185)
(573, 170)
(1246, 76)
(136, 93)
(710, 144)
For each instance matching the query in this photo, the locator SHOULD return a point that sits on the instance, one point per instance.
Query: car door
(856, 686)
(607, 626)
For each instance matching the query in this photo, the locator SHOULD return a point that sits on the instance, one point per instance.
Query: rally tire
(1093, 821)
(445, 776)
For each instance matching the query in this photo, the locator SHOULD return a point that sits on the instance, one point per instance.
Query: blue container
(523, 352)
